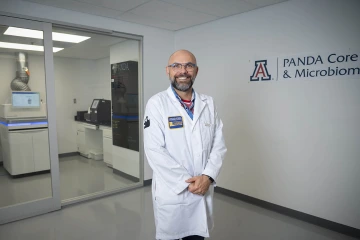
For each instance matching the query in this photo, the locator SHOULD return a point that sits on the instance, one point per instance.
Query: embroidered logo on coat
(146, 122)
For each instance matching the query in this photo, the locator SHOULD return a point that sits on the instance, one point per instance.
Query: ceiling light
(26, 47)
(23, 32)
(64, 37)
(61, 37)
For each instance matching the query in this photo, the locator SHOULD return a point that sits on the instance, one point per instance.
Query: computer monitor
(95, 104)
(25, 99)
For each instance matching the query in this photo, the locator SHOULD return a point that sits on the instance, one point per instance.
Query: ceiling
(167, 14)
(97, 47)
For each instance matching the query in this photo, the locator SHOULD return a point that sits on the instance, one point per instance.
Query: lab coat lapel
(200, 103)
(176, 103)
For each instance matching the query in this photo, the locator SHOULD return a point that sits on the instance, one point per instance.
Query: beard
(182, 86)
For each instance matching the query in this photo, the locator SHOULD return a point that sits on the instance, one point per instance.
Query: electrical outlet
(74, 100)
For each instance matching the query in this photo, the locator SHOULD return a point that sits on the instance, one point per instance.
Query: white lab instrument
(24, 134)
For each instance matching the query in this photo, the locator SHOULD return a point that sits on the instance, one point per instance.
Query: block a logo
(260, 72)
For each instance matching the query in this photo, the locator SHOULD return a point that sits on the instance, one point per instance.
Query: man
(185, 147)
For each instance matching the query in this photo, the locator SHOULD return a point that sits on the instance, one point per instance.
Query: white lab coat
(176, 155)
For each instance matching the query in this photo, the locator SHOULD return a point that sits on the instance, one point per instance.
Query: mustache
(183, 75)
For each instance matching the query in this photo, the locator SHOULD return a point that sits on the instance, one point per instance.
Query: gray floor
(20, 190)
(78, 176)
(129, 216)
(2, 170)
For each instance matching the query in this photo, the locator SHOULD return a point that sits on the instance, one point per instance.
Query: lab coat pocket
(207, 134)
(174, 219)
(165, 196)
(181, 218)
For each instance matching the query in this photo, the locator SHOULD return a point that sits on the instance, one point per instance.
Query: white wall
(296, 143)
(101, 82)
(158, 44)
(8, 73)
(81, 79)
(125, 51)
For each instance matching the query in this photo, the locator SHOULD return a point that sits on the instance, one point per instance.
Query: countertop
(83, 121)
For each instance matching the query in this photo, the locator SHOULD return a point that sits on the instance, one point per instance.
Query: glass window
(24, 136)
(96, 85)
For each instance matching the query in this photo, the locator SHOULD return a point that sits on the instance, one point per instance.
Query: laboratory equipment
(100, 112)
(125, 104)
(24, 139)
(80, 115)
(24, 134)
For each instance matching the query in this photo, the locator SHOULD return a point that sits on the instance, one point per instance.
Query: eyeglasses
(187, 66)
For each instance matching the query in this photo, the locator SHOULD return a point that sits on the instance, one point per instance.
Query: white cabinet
(107, 143)
(26, 151)
(80, 140)
(126, 161)
(19, 159)
(41, 150)
(89, 140)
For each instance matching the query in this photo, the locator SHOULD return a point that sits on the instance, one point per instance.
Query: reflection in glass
(24, 142)
(89, 162)
(124, 95)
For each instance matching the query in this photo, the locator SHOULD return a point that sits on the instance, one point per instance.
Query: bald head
(182, 56)
(182, 78)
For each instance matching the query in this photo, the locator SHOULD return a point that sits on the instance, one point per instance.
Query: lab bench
(95, 141)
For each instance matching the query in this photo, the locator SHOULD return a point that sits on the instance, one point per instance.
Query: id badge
(176, 122)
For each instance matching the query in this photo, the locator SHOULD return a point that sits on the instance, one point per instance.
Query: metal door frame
(45, 205)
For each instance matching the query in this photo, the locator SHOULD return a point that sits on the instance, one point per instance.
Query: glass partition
(28, 169)
(25, 159)
(96, 86)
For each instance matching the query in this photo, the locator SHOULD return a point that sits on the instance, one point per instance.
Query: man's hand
(199, 184)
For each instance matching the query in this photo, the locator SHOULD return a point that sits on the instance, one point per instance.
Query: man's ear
(167, 71)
